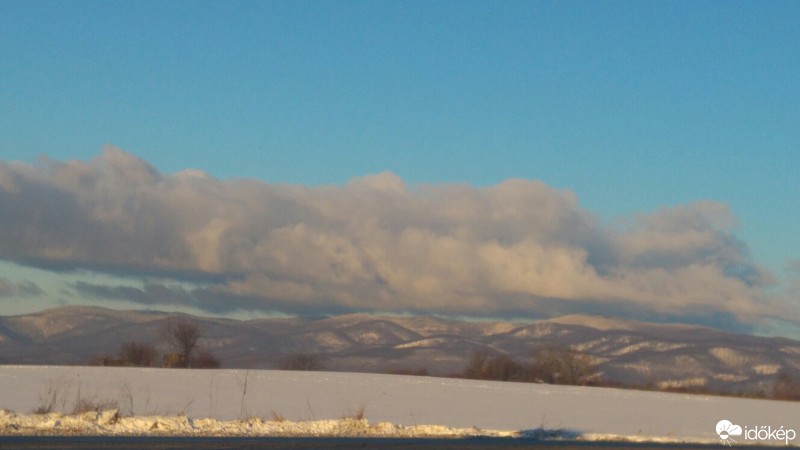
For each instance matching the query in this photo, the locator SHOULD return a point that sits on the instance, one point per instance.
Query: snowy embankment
(224, 402)
(109, 422)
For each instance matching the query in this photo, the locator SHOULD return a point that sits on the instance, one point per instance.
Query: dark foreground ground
(168, 443)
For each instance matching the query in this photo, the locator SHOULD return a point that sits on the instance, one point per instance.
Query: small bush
(562, 366)
(48, 399)
(105, 360)
(483, 365)
(137, 354)
(300, 361)
(205, 360)
(423, 372)
(93, 405)
(785, 388)
(357, 414)
(172, 360)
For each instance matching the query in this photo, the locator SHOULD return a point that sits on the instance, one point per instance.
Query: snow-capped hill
(627, 352)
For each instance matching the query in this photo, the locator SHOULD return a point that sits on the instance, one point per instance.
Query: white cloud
(374, 243)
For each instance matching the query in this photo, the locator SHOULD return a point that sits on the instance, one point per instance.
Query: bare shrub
(43, 409)
(421, 372)
(172, 360)
(105, 360)
(785, 387)
(48, 399)
(83, 405)
(138, 354)
(551, 365)
(484, 365)
(277, 417)
(127, 397)
(301, 361)
(205, 360)
(356, 414)
(562, 366)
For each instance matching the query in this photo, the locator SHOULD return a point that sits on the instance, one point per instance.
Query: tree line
(551, 365)
(181, 335)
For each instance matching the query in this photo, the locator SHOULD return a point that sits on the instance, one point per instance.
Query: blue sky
(633, 106)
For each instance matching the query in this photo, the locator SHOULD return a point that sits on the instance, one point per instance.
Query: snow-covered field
(182, 399)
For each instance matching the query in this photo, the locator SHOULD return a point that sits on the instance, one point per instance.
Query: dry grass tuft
(357, 414)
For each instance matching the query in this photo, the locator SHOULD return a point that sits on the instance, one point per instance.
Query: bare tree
(478, 362)
(182, 335)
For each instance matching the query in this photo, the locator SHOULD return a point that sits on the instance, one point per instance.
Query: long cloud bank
(373, 244)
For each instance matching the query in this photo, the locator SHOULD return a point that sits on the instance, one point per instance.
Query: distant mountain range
(627, 352)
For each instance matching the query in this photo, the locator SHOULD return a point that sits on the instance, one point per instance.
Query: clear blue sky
(631, 105)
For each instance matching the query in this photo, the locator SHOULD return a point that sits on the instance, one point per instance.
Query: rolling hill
(625, 352)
